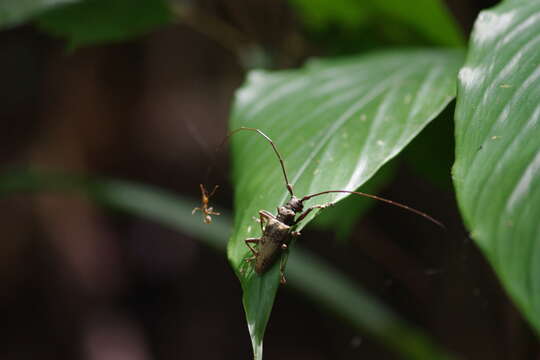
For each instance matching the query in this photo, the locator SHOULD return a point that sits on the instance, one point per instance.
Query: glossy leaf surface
(336, 123)
(497, 168)
(342, 217)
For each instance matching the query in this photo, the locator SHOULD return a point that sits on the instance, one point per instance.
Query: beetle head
(295, 204)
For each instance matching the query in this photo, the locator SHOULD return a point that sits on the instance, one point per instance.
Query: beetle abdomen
(275, 235)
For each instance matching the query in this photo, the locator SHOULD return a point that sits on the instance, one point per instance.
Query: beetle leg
(245, 263)
(266, 214)
(253, 251)
(310, 209)
(261, 221)
(263, 218)
(203, 190)
(254, 241)
(282, 264)
(213, 191)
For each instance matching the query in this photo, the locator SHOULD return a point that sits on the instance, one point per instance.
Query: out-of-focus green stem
(307, 273)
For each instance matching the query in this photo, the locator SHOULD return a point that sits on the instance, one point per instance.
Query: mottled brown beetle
(205, 209)
(278, 230)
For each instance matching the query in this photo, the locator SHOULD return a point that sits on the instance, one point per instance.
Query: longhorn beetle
(278, 230)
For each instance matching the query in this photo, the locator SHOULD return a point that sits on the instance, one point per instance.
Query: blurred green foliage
(104, 21)
(347, 26)
(310, 274)
(15, 12)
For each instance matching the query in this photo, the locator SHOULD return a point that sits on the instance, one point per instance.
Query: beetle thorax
(287, 212)
(295, 205)
(285, 215)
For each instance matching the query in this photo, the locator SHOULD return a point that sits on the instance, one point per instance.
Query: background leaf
(336, 123)
(15, 12)
(309, 274)
(430, 18)
(142, 200)
(431, 154)
(497, 168)
(101, 21)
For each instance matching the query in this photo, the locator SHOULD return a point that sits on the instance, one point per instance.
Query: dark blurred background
(78, 281)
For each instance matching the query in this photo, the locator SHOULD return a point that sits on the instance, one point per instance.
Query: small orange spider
(205, 209)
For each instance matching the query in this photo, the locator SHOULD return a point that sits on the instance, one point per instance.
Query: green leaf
(342, 217)
(336, 122)
(430, 18)
(309, 274)
(14, 12)
(319, 14)
(103, 21)
(497, 167)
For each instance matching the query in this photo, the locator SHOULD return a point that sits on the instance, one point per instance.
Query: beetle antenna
(282, 163)
(375, 197)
